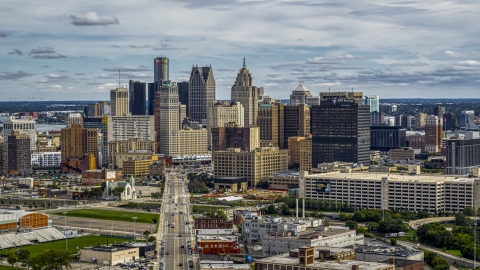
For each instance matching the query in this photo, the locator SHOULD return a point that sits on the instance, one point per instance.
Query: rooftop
(312, 233)
(294, 174)
(387, 250)
(391, 177)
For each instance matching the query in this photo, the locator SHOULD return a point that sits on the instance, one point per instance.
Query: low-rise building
(377, 253)
(402, 154)
(283, 180)
(218, 246)
(404, 264)
(109, 255)
(339, 166)
(233, 184)
(212, 223)
(97, 176)
(46, 160)
(25, 182)
(138, 167)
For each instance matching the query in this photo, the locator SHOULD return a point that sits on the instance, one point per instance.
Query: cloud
(128, 68)
(14, 76)
(80, 74)
(62, 71)
(2, 34)
(139, 47)
(226, 70)
(115, 46)
(321, 60)
(468, 63)
(46, 66)
(410, 64)
(168, 47)
(49, 56)
(41, 50)
(91, 19)
(16, 51)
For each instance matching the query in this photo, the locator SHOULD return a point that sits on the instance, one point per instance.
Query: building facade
(467, 119)
(384, 138)
(462, 155)
(121, 128)
(300, 95)
(433, 134)
(201, 92)
(46, 159)
(126, 146)
(296, 122)
(25, 126)
(161, 69)
(244, 92)
(300, 152)
(271, 123)
(183, 95)
(221, 113)
(119, 102)
(169, 122)
(235, 136)
(77, 141)
(137, 98)
(192, 142)
(18, 152)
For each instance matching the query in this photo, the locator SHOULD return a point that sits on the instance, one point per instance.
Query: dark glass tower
(183, 94)
(340, 132)
(160, 69)
(137, 98)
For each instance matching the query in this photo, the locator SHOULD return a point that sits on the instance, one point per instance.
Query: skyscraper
(219, 114)
(271, 124)
(137, 98)
(296, 122)
(25, 126)
(77, 141)
(169, 122)
(19, 157)
(244, 92)
(299, 95)
(160, 69)
(340, 132)
(183, 94)
(201, 92)
(373, 102)
(119, 101)
(439, 111)
(449, 120)
(433, 134)
(466, 119)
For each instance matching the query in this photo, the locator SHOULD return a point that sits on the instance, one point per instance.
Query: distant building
(462, 155)
(19, 159)
(218, 246)
(235, 136)
(110, 254)
(122, 128)
(433, 134)
(168, 118)
(300, 152)
(244, 92)
(183, 95)
(24, 126)
(119, 102)
(74, 119)
(417, 141)
(300, 95)
(467, 119)
(201, 92)
(191, 142)
(128, 193)
(356, 96)
(449, 120)
(233, 184)
(439, 111)
(420, 120)
(98, 109)
(374, 102)
(137, 98)
(401, 154)
(271, 123)
(379, 253)
(138, 166)
(377, 118)
(296, 122)
(123, 147)
(219, 114)
(160, 69)
(384, 138)
(46, 160)
(97, 177)
(3, 157)
(212, 223)
(77, 141)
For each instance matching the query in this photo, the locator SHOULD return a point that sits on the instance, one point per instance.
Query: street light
(64, 229)
(134, 228)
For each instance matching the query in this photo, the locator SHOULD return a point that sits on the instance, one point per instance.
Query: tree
(140, 193)
(146, 233)
(12, 257)
(155, 220)
(152, 239)
(52, 259)
(462, 220)
(118, 191)
(103, 185)
(469, 211)
(353, 225)
(271, 209)
(262, 184)
(285, 209)
(393, 241)
(294, 166)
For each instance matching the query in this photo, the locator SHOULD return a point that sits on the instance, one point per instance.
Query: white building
(25, 126)
(121, 128)
(128, 193)
(46, 159)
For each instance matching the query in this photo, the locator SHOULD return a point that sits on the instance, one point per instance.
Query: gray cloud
(49, 56)
(2, 34)
(410, 64)
(46, 66)
(16, 51)
(41, 50)
(128, 68)
(321, 60)
(115, 46)
(14, 76)
(80, 74)
(168, 47)
(139, 47)
(91, 19)
(62, 71)
(225, 70)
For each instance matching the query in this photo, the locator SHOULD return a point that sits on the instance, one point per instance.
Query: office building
(74, 119)
(439, 111)
(153, 89)
(296, 122)
(25, 126)
(212, 223)
(182, 114)
(119, 102)
(3, 157)
(121, 157)
(235, 136)
(77, 141)
(125, 146)
(417, 141)
(390, 121)
(467, 119)
(377, 118)
(192, 142)
(183, 95)
(420, 120)
(168, 118)
(271, 123)
(221, 113)
(160, 69)
(18, 153)
(299, 95)
(101, 124)
(255, 165)
(300, 152)
(98, 109)
(340, 132)
(433, 134)
(401, 154)
(92, 122)
(232, 184)
(356, 96)
(462, 154)
(384, 138)
(46, 160)
(244, 92)
(449, 120)
(218, 246)
(139, 167)
(398, 120)
(201, 92)
(121, 128)
(137, 98)
(370, 253)
(374, 102)
(412, 192)
(109, 254)
(406, 121)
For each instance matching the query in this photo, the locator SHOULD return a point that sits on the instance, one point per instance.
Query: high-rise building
(192, 142)
(74, 119)
(462, 154)
(466, 119)
(201, 92)
(384, 138)
(219, 114)
(244, 92)
(160, 69)
(19, 156)
(255, 165)
(299, 95)
(356, 96)
(3, 156)
(377, 118)
(449, 121)
(77, 141)
(373, 102)
(119, 102)
(420, 120)
(234, 136)
(406, 122)
(25, 126)
(433, 134)
(137, 98)
(340, 131)
(116, 148)
(182, 113)
(168, 117)
(439, 111)
(101, 124)
(157, 120)
(417, 141)
(271, 124)
(183, 95)
(296, 122)
(126, 127)
(98, 109)
(300, 152)
(153, 89)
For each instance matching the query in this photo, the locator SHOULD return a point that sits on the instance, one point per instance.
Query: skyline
(395, 49)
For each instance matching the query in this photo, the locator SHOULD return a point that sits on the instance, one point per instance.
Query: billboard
(322, 186)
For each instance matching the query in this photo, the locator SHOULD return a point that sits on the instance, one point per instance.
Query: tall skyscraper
(74, 119)
(466, 119)
(119, 102)
(169, 122)
(449, 120)
(433, 134)
(271, 124)
(299, 95)
(137, 98)
(183, 94)
(220, 114)
(160, 69)
(77, 141)
(296, 122)
(244, 92)
(19, 157)
(235, 136)
(340, 132)
(356, 96)
(201, 92)
(420, 120)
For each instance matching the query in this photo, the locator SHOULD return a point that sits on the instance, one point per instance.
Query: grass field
(454, 252)
(3, 267)
(207, 208)
(111, 215)
(81, 242)
(408, 238)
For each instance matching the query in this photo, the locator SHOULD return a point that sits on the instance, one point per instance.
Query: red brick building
(212, 223)
(218, 247)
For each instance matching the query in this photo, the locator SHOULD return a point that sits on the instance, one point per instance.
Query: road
(176, 232)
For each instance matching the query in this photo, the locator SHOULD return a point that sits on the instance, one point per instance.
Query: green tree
(353, 225)
(152, 238)
(393, 241)
(12, 257)
(262, 184)
(146, 233)
(271, 209)
(294, 166)
(103, 185)
(469, 211)
(117, 191)
(155, 220)
(462, 220)
(285, 209)
(52, 259)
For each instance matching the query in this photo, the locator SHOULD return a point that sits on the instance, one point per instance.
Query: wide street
(176, 232)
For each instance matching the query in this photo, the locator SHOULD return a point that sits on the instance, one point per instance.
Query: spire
(244, 65)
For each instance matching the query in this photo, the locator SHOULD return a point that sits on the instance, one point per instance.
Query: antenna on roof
(244, 65)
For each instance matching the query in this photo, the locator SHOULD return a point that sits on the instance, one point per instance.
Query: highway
(177, 234)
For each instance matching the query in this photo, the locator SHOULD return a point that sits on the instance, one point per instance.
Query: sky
(72, 50)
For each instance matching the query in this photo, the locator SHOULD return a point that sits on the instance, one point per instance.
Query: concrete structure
(235, 136)
(218, 246)
(139, 167)
(401, 154)
(283, 180)
(77, 142)
(169, 122)
(296, 122)
(120, 157)
(25, 126)
(413, 192)
(244, 92)
(18, 153)
(99, 109)
(109, 255)
(46, 159)
(25, 182)
(201, 92)
(417, 141)
(384, 138)
(401, 264)
(462, 155)
(220, 114)
(121, 128)
(370, 253)
(191, 142)
(161, 69)
(158, 168)
(433, 134)
(300, 95)
(14, 220)
(137, 98)
(255, 165)
(124, 147)
(271, 122)
(300, 152)
(119, 102)
(420, 119)
(233, 184)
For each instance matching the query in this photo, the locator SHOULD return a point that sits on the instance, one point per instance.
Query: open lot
(111, 215)
(81, 242)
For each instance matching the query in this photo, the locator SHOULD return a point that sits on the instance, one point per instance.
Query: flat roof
(324, 234)
(342, 265)
(293, 174)
(391, 177)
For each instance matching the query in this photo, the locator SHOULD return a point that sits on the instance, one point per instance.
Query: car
(149, 210)
(182, 246)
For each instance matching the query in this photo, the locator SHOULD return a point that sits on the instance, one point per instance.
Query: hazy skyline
(73, 50)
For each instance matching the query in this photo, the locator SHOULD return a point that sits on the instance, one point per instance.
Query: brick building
(217, 246)
(212, 223)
